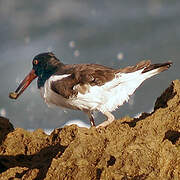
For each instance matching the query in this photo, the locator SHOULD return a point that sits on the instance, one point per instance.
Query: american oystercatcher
(87, 87)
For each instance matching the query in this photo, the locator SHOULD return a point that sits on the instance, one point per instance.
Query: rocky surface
(147, 147)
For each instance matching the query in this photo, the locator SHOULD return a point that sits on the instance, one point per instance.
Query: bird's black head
(44, 65)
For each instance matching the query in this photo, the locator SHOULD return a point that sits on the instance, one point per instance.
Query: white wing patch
(58, 77)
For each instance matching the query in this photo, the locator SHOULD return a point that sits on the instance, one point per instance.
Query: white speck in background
(3, 112)
(18, 80)
(72, 44)
(33, 89)
(65, 111)
(120, 56)
(93, 12)
(49, 49)
(76, 53)
(27, 40)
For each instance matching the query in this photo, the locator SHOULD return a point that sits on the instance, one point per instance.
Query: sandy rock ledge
(147, 147)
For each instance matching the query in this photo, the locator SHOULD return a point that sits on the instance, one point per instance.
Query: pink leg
(91, 118)
(110, 119)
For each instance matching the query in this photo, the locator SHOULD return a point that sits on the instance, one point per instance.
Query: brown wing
(81, 76)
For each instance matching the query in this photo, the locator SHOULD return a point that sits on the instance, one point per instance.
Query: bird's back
(118, 90)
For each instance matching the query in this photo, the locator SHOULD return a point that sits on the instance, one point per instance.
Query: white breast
(51, 97)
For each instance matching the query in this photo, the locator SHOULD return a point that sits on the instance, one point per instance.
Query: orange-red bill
(23, 85)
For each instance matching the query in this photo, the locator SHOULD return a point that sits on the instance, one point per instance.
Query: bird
(87, 87)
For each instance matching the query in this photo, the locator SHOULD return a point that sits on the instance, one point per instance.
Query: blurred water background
(114, 33)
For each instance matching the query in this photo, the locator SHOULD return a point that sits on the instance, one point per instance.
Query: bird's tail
(146, 68)
(143, 70)
(159, 67)
(154, 69)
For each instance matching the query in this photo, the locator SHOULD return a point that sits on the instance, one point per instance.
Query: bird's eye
(35, 62)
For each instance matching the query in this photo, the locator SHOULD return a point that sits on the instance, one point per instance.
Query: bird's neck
(46, 74)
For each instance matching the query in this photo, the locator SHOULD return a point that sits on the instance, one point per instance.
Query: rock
(5, 128)
(147, 147)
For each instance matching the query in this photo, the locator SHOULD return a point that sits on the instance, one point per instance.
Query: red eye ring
(35, 62)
